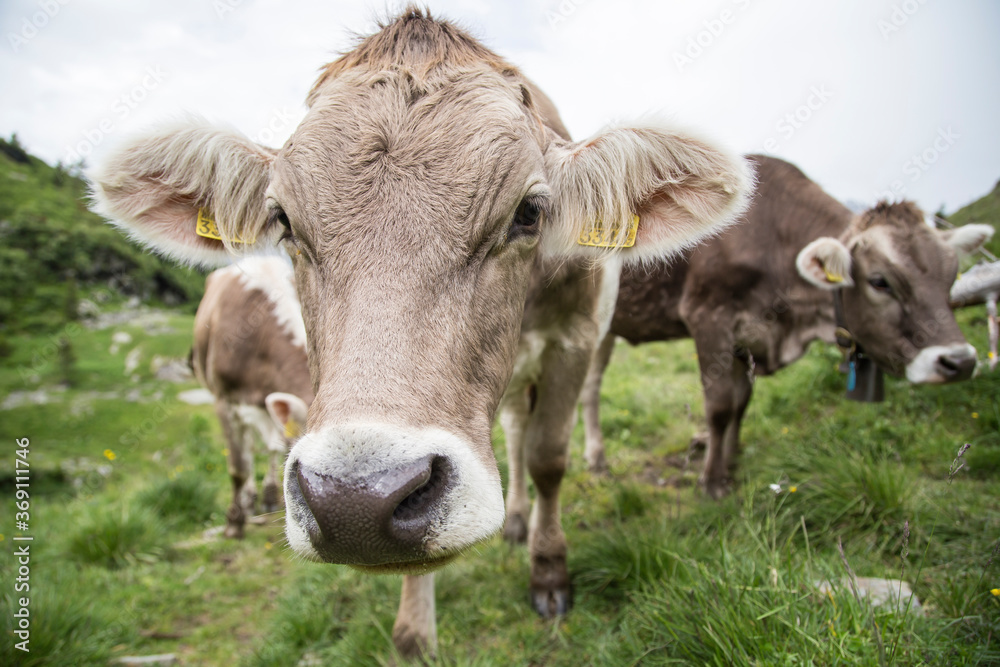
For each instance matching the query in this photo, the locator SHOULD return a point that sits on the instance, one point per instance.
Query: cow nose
(377, 519)
(956, 366)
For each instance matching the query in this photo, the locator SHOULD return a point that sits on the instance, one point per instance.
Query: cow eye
(279, 216)
(880, 284)
(527, 221)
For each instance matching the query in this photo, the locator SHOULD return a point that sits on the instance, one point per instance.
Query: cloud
(893, 74)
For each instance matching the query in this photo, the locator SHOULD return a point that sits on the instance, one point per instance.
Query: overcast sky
(869, 97)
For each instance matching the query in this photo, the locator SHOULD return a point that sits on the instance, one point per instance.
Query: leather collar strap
(864, 378)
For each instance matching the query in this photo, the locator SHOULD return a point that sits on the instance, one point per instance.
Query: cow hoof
(551, 603)
(716, 490)
(698, 445)
(234, 531)
(272, 499)
(235, 518)
(599, 466)
(412, 648)
(515, 529)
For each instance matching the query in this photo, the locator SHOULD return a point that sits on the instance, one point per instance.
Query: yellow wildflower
(268, 545)
(784, 430)
(996, 592)
(793, 489)
(975, 415)
(109, 455)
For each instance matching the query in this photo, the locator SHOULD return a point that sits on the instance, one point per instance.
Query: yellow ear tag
(833, 277)
(292, 429)
(207, 228)
(599, 236)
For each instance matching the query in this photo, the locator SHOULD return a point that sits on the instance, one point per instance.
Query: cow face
(895, 273)
(415, 200)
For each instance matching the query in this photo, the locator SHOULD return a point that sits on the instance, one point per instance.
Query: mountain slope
(49, 239)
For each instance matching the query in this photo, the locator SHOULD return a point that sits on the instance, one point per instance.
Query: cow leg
(276, 449)
(591, 399)
(414, 633)
(742, 391)
(547, 452)
(514, 412)
(240, 466)
(721, 373)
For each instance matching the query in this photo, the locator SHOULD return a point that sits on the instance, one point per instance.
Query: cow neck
(865, 382)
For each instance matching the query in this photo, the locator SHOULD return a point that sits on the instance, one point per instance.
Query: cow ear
(642, 192)
(288, 411)
(826, 263)
(967, 239)
(176, 188)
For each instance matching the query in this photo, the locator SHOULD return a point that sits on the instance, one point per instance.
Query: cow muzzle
(388, 500)
(940, 363)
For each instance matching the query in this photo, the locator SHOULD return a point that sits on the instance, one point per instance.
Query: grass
(114, 536)
(661, 575)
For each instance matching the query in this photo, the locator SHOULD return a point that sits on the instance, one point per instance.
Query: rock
(134, 661)
(891, 593)
(132, 360)
(87, 309)
(18, 398)
(196, 397)
(118, 339)
(170, 370)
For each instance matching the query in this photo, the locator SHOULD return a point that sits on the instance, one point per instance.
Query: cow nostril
(415, 506)
(948, 364)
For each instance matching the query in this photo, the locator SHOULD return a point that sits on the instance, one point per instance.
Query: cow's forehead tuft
(426, 48)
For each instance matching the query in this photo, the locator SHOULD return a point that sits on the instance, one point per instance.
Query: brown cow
(249, 342)
(437, 215)
(755, 297)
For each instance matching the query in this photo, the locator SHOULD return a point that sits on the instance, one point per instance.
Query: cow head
(424, 184)
(895, 272)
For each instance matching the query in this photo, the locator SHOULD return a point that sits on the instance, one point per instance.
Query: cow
(249, 343)
(754, 297)
(443, 228)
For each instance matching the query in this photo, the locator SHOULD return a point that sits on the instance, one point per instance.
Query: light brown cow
(249, 342)
(757, 295)
(434, 207)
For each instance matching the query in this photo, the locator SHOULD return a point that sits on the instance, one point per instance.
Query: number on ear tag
(597, 235)
(207, 228)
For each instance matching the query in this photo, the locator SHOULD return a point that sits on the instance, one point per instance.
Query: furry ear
(967, 239)
(665, 190)
(161, 187)
(288, 412)
(825, 263)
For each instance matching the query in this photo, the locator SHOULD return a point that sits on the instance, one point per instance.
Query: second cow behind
(756, 296)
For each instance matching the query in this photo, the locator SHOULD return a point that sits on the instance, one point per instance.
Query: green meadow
(127, 483)
(128, 491)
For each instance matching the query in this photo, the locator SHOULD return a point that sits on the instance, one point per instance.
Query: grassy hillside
(48, 240)
(984, 210)
(125, 479)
